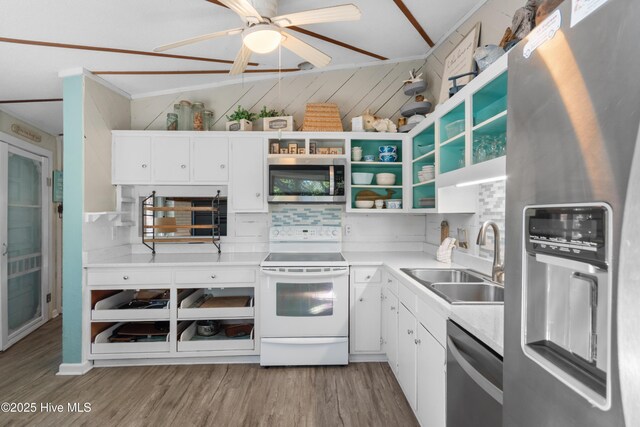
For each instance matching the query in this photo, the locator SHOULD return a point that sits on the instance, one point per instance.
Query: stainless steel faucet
(497, 270)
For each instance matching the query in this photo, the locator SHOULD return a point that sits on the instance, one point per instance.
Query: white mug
(379, 203)
(356, 154)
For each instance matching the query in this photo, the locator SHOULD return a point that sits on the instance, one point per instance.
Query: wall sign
(25, 133)
(543, 33)
(580, 9)
(57, 186)
(460, 61)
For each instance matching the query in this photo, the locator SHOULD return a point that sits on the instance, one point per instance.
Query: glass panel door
(24, 241)
(304, 299)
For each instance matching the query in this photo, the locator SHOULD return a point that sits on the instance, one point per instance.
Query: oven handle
(305, 341)
(335, 273)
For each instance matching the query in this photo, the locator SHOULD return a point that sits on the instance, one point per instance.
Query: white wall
(104, 111)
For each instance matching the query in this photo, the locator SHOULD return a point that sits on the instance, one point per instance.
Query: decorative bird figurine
(414, 78)
(524, 19)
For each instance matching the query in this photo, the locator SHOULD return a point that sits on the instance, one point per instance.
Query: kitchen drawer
(434, 321)
(215, 277)
(128, 277)
(188, 309)
(107, 309)
(101, 344)
(190, 341)
(366, 275)
(407, 298)
(391, 283)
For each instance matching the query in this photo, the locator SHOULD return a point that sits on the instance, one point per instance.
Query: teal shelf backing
(396, 193)
(370, 146)
(424, 191)
(489, 141)
(424, 142)
(417, 167)
(452, 116)
(451, 154)
(491, 100)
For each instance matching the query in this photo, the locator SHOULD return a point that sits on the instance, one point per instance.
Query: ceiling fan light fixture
(262, 38)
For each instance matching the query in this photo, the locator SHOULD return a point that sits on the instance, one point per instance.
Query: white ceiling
(31, 72)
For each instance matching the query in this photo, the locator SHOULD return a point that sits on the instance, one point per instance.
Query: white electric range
(304, 308)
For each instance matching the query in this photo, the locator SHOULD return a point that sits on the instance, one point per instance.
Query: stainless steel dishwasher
(474, 381)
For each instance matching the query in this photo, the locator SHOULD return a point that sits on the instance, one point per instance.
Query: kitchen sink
(430, 276)
(470, 293)
(458, 286)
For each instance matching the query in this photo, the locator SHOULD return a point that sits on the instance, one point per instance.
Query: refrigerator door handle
(476, 376)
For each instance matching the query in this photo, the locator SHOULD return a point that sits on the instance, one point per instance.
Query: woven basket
(322, 118)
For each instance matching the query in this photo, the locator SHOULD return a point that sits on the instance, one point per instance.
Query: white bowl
(393, 203)
(385, 178)
(361, 178)
(364, 204)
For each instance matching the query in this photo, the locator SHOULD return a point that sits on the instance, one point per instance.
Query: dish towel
(445, 250)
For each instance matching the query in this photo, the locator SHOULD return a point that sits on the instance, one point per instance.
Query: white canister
(356, 154)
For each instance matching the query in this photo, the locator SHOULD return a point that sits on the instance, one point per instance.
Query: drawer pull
(417, 342)
(213, 276)
(409, 331)
(368, 277)
(144, 166)
(393, 308)
(361, 299)
(222, 166)
(183, 166)
(125, 277)
(257, 194)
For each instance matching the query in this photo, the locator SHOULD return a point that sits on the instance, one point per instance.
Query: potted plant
(240, 120)
(275, 120)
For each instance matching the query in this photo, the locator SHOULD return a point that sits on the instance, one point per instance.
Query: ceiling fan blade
(244, 9)
(305, 50)
(198, 39)
(242, 60)
(345, 12)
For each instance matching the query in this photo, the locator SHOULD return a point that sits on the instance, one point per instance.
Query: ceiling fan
(263, 32)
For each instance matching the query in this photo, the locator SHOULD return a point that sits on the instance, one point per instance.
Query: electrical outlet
(347, 230)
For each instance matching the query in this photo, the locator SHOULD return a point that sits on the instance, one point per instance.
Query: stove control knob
(276, 232)
(334, 233)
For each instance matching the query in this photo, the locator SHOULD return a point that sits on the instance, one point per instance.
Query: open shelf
(189, 340)
(420, 184)
(103, 342)
(425, 156)
(448, 128)
(452, 154)
(490, 100)
(237, 304)
(497, 123)
(376, 186)
(396, 163)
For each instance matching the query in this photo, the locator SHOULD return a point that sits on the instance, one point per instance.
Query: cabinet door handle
(409, 331)
(125, 277)
(183, 166)
(393, 308)
(417, 342)
(367, 278)
(213, 276)
(361, 299)
(257, 194)
(223, 166)
(5, 249)
(389, 281)
(144, 166)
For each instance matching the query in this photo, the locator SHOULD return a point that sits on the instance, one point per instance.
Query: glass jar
(184, 116)
(208, 120)
(198, 115)
(172, 121)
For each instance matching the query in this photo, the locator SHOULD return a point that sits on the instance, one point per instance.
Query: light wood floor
(362, 394)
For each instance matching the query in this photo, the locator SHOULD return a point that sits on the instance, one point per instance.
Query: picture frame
(275, 148)
(293, 148)
(301, 150)
(284, 151)
(312, 148)
(323, 150)
(460, 61)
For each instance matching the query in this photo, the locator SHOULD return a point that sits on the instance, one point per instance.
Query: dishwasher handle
(473, 373)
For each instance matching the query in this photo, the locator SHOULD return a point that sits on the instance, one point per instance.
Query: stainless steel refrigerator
(572, 292)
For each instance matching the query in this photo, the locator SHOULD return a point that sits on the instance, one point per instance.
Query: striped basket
(322, 118)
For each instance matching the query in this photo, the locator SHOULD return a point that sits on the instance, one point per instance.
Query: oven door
(305, 302)
(304, 182)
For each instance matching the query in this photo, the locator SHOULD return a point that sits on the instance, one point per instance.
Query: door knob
(125, 277)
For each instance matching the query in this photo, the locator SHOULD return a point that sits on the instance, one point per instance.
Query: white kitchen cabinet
(170, 159)
(365, 318)
(407, 329)
(431, 380)
(132, 159)
(390, 328)
(247, 174)
(209, 159)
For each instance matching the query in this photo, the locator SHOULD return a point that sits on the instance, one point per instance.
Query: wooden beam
(414, 22)
(24, 101)
(115, 50)
(179, 72)
(323, 38)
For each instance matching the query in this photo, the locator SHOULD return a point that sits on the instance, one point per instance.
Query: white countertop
(486, 322)
(181, 260)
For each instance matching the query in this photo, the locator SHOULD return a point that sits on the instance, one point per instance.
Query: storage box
(281, 123)
(357, 124)
(240, 125)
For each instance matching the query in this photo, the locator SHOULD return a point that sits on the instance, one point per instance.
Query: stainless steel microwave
(306, 180)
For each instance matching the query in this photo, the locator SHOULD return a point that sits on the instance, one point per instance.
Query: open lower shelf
(396, 163)
(186, 227)
(103, 345)
(112, 308)
(180, 209)
(198, 305)
(182, 240)
(376, 186)
(189, 340)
